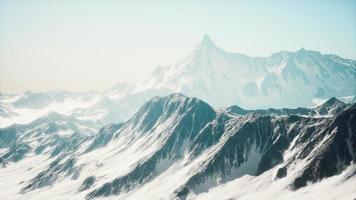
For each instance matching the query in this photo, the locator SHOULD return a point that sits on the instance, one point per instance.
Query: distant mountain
(98, 108)
(178, 147)
(284, 79)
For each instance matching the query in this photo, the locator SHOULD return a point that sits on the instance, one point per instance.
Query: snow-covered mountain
(178, 147)
(222, 78)
(284, 79)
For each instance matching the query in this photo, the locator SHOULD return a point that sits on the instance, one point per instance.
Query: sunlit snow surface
(264, 187)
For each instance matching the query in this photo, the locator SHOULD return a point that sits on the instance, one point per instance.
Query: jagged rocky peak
(332, 102)
(331, 106)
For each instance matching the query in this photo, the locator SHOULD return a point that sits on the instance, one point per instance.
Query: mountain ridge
(332, 106)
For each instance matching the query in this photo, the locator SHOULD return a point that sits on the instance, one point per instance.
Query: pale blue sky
(91, 45)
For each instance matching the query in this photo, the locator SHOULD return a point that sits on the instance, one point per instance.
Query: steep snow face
(177, 147)
(223, 78)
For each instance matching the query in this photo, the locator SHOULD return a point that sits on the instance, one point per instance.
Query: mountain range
(216, 125)
(283, 80)
(179, 147)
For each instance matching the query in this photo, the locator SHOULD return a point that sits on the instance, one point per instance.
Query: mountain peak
(206, 42)
(332, 101)
(302, 50)
(331, 106)
(159, 109)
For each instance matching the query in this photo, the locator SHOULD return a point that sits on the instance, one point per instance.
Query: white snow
(248, 188)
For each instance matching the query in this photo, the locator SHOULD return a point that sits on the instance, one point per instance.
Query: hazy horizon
(86, 46)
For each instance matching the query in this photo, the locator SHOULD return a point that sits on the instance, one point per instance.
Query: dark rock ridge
(331, 107)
